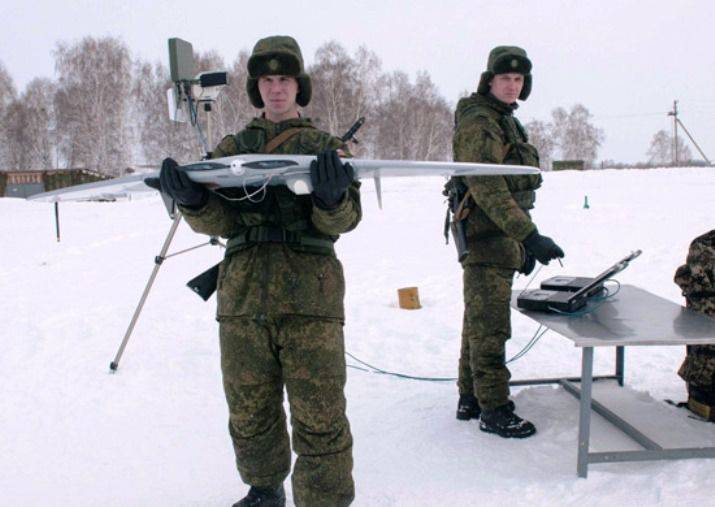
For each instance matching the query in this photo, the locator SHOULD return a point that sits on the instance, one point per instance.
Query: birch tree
(92, 104)
(542, 137)
(7, 95)
(576, 137)
(28, 127)
(660, 151)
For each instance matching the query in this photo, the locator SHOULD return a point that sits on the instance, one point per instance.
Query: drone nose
(237, 168)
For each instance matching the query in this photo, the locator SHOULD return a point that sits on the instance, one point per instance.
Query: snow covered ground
(154, 433)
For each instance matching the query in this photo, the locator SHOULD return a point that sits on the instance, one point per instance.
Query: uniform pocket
(316, 285)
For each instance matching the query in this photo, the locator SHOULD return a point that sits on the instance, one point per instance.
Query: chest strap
(281, 138)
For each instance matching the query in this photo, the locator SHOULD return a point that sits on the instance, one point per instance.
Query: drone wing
(105, 190)
(259, 170)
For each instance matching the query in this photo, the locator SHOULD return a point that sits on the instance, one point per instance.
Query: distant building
(26, 183)
(564, 165)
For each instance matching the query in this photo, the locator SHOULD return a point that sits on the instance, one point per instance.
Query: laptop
(569, 294)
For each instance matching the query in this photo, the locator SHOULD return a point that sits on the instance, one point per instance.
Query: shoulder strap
(281, 138)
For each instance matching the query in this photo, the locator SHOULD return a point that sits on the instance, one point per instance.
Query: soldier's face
(507, 87)
(278, 94)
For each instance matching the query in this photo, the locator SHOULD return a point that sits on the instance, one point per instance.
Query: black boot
(468, 407)
(505, 423)
(263, 497)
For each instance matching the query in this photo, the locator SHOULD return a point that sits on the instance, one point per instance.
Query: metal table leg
(584, 421)
(620, 364)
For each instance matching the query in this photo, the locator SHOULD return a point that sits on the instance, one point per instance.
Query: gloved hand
(330, 179)
(542, 247)
(177, 184)
(529, 264)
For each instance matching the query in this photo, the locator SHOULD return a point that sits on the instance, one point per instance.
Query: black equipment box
(550, 300)
(566, 283)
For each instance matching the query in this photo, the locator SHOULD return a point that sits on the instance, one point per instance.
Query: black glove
(177, 184)
(542, 247)
(330, 179)
(529, 264)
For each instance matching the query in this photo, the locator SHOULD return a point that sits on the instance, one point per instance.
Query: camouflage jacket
(261, 279)
(696, 277)
(487, 131)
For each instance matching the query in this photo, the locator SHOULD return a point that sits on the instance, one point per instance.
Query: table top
(633, 316)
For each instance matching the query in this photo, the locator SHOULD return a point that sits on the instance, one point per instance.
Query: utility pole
(674, 114)
(676, 122)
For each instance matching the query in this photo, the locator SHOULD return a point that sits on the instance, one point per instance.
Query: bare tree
(7, 87)
(28, 127)
(413, 121)
(433, 125)
(344, 88)
(334, 85)
(92, 104)
(15, 136)
(542, 137)
(576, 137)
(660, 151)
(7, 95)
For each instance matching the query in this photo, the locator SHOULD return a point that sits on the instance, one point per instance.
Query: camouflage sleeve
(216, 218)
(479, 140)
(348, 213)
(342, 219)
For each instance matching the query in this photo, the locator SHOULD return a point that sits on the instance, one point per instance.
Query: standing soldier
(280, 293)
(500, 234)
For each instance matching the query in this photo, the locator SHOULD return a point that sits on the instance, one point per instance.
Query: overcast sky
(626, 61)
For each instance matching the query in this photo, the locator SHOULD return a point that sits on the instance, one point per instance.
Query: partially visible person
(696, 278)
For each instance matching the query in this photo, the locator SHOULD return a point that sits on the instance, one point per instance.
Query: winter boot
(263, 497)
(505, 423)
(468, 407)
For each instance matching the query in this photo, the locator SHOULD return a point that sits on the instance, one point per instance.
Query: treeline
(107, 111)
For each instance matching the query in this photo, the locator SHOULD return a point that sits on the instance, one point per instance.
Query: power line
(634, 115)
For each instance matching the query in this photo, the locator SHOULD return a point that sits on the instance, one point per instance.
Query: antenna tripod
(158, 261)
(186, 95)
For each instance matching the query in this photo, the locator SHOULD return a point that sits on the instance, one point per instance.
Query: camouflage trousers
(485, 329)
(698, 369)
(306, 355)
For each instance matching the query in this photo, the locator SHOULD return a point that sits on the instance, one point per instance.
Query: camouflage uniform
(280, 309)
(486, 131)
(697, 280)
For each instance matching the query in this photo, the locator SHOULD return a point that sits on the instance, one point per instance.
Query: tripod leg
(157, 264)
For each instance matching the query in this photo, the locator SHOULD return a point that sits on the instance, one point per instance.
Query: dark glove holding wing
(177, 184)
(330, 178)
(542, 247)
